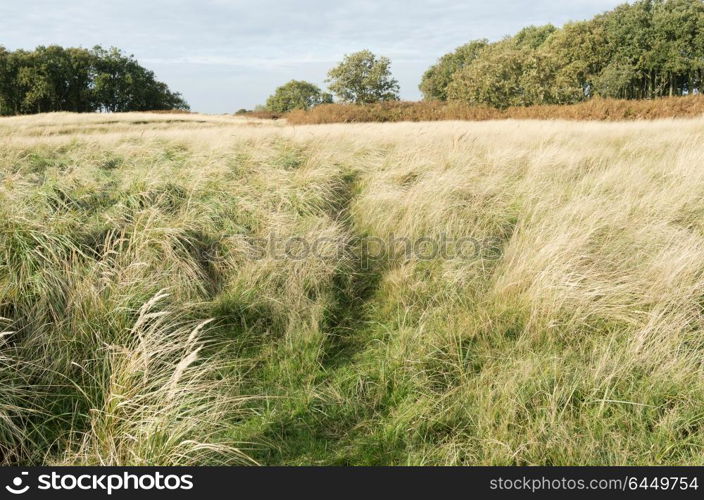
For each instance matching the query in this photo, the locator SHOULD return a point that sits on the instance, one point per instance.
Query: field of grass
(188, 289)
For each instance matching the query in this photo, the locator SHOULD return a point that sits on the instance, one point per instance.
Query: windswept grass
(211, 290)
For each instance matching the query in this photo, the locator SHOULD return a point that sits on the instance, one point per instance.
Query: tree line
(643, 50)
(55, 78)
(648, 49)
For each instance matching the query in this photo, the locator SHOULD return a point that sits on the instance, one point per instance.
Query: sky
(223, 55)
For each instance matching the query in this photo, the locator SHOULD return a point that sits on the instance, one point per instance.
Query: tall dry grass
(145, 326)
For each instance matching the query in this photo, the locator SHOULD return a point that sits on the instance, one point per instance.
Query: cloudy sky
(229, 54)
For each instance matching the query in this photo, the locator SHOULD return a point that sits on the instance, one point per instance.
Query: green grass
(145, 323)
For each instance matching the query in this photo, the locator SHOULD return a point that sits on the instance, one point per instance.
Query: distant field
(190, 289)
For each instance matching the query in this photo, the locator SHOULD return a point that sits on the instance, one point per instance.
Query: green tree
(512, 72)
(578, 53)
(59, 79)
(122, 84)
(10, 92)
(532, 37)
(363, 78)
(296, 94)
(646, 49)
(494, 79)
(33, 83)
(75, 79)
(435, 80)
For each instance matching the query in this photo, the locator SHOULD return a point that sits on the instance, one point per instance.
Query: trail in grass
(311, 412)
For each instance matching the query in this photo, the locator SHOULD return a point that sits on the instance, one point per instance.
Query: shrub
(296, 94)
(594, 109)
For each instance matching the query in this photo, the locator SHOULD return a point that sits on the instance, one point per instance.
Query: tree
(578, 52)
(34, 83)
(646, 49)
(75, 79)
(122, 84)
(296, 94)
(8, 104)
(494, 79)
(363, 78)
(436, 79)
(532, 37)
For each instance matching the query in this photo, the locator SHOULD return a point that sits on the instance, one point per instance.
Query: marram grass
(144, 321)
